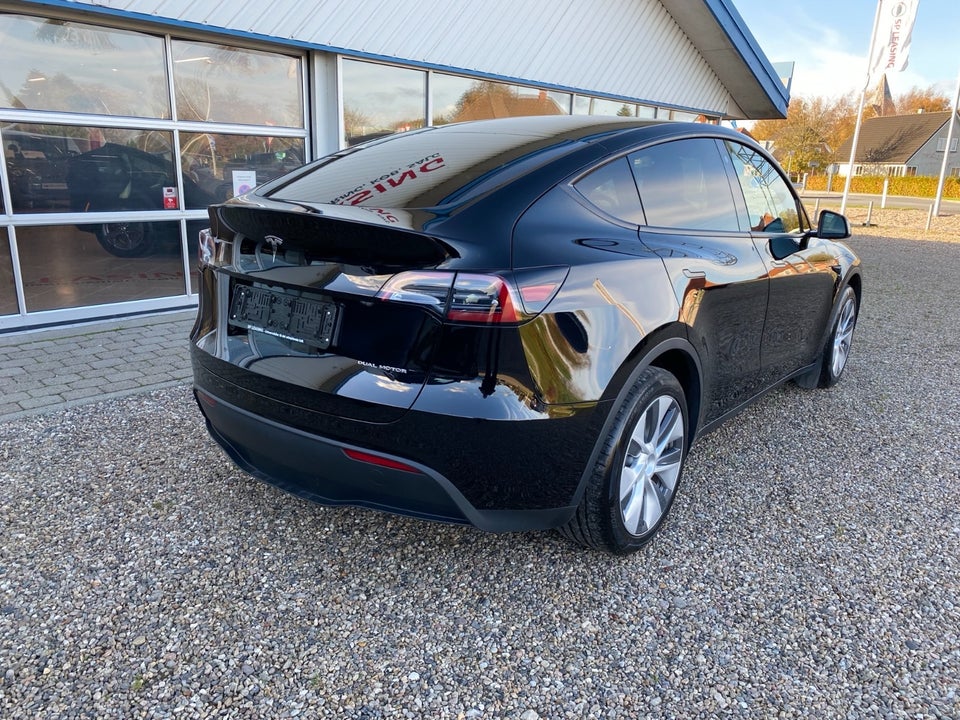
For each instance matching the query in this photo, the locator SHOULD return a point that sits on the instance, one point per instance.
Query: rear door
(719, 277)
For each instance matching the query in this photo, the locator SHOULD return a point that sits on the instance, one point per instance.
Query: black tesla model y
(519, 323)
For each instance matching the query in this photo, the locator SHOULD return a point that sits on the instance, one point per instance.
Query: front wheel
(637, 473)
(834, 357)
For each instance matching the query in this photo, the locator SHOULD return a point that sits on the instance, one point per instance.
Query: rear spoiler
(335, 235)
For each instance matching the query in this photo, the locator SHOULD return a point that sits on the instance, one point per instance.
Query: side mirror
(833, 226)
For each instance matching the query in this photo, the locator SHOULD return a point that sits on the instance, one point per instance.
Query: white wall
(627, 48)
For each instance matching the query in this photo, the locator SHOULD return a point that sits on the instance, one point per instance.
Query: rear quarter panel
(616, 294)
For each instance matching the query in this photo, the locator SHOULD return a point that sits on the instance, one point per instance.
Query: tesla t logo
(274, 242)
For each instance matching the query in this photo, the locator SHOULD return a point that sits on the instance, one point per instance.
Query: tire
(126, 240)
(835, 353)
(637, 474)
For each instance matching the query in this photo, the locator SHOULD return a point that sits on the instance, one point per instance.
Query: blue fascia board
(732, 24)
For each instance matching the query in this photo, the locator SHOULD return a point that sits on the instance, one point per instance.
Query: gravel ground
(900, 223)
(810, 569)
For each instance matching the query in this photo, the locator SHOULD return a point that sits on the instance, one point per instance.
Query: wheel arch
(683, 365)
(856, 282)
(667, 349)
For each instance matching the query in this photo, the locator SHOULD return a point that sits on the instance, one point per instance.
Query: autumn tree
(815, 127)
(803, 142)
(918, 99)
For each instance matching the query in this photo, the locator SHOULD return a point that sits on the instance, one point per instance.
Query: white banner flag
(891, 45)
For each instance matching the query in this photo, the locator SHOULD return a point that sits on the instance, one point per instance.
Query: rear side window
(683, 184)
(611, 188)
(771, 204)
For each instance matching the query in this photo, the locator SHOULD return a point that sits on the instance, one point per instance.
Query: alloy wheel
(843, 336)
(652, 466)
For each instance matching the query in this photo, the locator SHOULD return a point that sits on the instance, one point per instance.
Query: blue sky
(828, 40)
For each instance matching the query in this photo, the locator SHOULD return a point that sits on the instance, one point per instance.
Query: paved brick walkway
(47, 369)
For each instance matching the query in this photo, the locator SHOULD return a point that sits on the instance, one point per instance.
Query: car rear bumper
(498, 475)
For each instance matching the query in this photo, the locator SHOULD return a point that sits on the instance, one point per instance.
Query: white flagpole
(946, 150)
(863, 100)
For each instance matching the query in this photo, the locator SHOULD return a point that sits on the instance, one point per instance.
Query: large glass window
(685, 116)
(217, 166)
(81, 166)
(60, 168)
(771, 204)
(379, 100)
(231, 85)
(67, 266)
(73, 67)
(683, 184)
(8, 293)
(585, 105)
(456, 99)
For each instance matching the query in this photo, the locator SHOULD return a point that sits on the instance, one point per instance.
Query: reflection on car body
(518, 323)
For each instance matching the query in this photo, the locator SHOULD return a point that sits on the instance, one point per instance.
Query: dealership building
(121, 120)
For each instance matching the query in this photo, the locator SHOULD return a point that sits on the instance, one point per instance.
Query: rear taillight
(422, 288)
(476, 298)
(486, 299)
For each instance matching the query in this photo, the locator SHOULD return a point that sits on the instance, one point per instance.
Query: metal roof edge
(741, 47)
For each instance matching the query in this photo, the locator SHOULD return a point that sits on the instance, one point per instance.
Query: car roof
(444, 165)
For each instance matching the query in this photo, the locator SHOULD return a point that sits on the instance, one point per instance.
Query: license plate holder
(283, 315)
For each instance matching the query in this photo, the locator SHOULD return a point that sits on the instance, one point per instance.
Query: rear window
(437, 166)
(612, 189)
(410, 171)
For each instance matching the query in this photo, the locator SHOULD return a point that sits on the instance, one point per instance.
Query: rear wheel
(637, 474)
(834, 357)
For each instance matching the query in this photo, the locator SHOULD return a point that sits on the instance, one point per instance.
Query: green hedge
(919, 186)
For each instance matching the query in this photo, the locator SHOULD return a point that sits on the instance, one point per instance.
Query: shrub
(918, 186)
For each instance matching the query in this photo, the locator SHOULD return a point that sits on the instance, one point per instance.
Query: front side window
(68, 66)
(218, 83)
(771, 204)
(683, 184)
